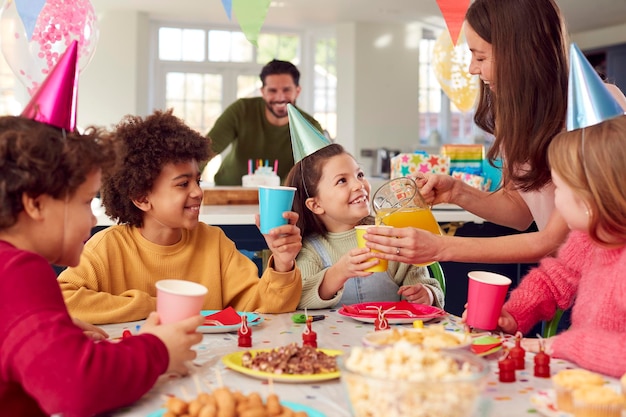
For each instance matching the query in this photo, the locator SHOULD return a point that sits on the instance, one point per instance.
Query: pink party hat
(305, 139)
(55, 101)
(589, 102)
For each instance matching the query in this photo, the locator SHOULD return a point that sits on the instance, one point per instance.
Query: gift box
(476, 181)
(409, 164)
(494, 174)
(465, 158)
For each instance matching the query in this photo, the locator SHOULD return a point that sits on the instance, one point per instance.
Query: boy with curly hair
(48, 178)
(155, 197)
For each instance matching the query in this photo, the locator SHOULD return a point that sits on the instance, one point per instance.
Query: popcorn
(403, 380)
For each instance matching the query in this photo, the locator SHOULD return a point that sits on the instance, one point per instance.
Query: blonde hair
(593, 166)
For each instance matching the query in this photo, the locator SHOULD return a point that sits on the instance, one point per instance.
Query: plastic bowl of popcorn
(432, 337)
(405, 380)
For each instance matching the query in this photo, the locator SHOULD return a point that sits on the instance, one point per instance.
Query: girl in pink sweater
(589, 272)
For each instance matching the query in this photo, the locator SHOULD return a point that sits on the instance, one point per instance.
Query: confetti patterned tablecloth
(334, 332)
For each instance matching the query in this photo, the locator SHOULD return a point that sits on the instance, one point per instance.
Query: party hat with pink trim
(55, 101)
(305, 138)
(589, 102)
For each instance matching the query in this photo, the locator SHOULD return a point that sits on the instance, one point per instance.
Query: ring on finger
(397, 251)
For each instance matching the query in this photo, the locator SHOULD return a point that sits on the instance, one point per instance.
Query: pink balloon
(59, 23)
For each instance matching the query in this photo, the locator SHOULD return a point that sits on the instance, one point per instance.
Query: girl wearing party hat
(588, 171)
(49, 363)
(332, 197)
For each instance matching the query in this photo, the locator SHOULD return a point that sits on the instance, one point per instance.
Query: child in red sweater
(588, 273)
(48, 365)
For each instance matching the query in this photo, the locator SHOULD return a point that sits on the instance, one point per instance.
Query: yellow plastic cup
(382, 263)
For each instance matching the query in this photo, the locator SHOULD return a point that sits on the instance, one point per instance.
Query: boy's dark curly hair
(149, 144)
(37, 159)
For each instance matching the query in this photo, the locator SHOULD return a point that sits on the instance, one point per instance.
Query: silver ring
(397, 251)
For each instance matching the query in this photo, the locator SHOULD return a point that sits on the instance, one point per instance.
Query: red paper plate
(399, 312)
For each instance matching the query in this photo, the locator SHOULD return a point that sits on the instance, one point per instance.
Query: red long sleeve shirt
(47, 364)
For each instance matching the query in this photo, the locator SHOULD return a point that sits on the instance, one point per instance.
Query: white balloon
(59, 23)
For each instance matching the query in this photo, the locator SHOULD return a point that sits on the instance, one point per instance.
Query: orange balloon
(451, 64)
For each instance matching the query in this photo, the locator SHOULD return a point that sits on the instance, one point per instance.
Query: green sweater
(244, 125)
(337, 244)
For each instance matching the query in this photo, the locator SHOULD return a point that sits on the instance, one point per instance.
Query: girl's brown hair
(37, 159)
(530, 71)
(305, 176)
(596, 174)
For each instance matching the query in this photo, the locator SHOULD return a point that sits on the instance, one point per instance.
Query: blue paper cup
(273, 202)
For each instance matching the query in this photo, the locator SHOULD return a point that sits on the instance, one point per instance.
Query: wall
(377, 71)
(612, 35)
(377, 93)
(115, 82)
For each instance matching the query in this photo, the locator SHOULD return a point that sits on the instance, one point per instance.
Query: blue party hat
(589, 102)
(305, 139)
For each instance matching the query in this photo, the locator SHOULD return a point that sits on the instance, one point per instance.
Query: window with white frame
(440, 120)
(325, 84)
(200, 71)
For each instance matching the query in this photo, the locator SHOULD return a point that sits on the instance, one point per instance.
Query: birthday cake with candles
(262, 176)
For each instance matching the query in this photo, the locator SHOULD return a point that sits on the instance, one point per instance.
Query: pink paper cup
(178, 299)
(485, 297)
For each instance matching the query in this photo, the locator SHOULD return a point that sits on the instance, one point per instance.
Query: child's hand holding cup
(273, 202)
(382, 263)
(485, 298)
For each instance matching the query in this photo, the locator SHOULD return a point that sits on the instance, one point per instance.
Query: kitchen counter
(244, 214)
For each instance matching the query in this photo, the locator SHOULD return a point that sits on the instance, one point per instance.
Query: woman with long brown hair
(519, 52)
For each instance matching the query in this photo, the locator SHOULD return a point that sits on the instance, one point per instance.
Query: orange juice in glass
(398, 203)
(421, 218)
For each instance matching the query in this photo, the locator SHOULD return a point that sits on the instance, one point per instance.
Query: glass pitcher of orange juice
(398, 203)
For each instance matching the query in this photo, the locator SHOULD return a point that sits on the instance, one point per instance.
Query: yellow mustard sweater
(115, 280)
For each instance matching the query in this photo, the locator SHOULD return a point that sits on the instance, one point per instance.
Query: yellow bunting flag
(251, 15)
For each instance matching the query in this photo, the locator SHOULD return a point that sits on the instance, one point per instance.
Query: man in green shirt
(258, 127)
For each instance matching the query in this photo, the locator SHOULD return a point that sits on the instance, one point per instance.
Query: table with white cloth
(329, 397)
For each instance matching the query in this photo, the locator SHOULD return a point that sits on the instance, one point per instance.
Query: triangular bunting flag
(29, 10)
(453, 12)
(251, 15)
(228, 7)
